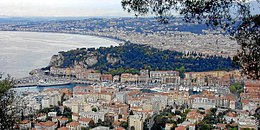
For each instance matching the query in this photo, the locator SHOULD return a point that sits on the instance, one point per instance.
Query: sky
(67, 8)
(59, 8)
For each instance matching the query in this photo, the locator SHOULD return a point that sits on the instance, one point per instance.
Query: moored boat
(56, 83)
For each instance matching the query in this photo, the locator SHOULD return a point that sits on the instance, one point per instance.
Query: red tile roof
(231, 114)
(63, 128)
(120, 128)
(85, 119)
(24, 122)
(180, 128)
(64, 119)
(73, 124)
(46, 124)
(75, 114)
(117, 123)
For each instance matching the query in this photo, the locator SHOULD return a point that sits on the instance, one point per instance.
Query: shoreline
(117, 40)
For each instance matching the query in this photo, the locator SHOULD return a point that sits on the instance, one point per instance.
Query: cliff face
(91, 60)
(112, 59)
(56, 60)
(88, 59)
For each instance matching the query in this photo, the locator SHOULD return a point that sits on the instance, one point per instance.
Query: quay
(30, 83)
(25, 85)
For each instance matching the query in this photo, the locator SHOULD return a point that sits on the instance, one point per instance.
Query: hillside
(132, 57)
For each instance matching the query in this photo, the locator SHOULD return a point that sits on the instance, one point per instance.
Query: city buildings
(46, 125)
(136, 122)
(146, 31)
(117, 103)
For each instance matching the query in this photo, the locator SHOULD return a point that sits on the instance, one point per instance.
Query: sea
(21, 52)
(36, 89)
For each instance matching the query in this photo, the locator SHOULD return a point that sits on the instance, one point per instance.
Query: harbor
(49, 84)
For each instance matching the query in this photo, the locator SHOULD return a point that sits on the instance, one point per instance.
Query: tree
(58, 124)
(203, 126)
(131, 113)
(67, 112)
(181, 70)
(231, 15)
(120, 116)
(99, 122)
(236, 88)
(145, 127)
(232, 89)
(213, 12)
(248, 56)
(91, 124)
(124, 125)
(8, 110)
(94, 109)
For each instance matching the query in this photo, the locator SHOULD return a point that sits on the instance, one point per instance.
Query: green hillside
(132, 57)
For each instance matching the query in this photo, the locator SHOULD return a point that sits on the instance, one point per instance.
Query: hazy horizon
(70, 8)
(62, 8)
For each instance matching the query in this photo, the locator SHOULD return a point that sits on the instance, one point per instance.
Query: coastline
(118, 40)
(85, 38)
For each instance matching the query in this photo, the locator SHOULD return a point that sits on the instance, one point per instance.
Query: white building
(136, 122)
(101, 128)
(121, 97)
(94, 115)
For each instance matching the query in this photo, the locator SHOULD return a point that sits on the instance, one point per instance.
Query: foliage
(160, 121)
(85, 128)
(94, 109)
(5, 85)
(91, 124)
(213, 12)
(108, 123)
(231, 15)
(181, 70)
(120, 116)
(230, 127)
(248, 37)
(166, 117)
(209, 120)
(232, 89)
(7, 111)
(204, 126)
(99, 122)
(131, 113)
(133, 57)
(44, 110)
(236, 88)
(145, 127)
(62, 98)
(48, 118)
(124, 125)
(67, 113)
(257, 113)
